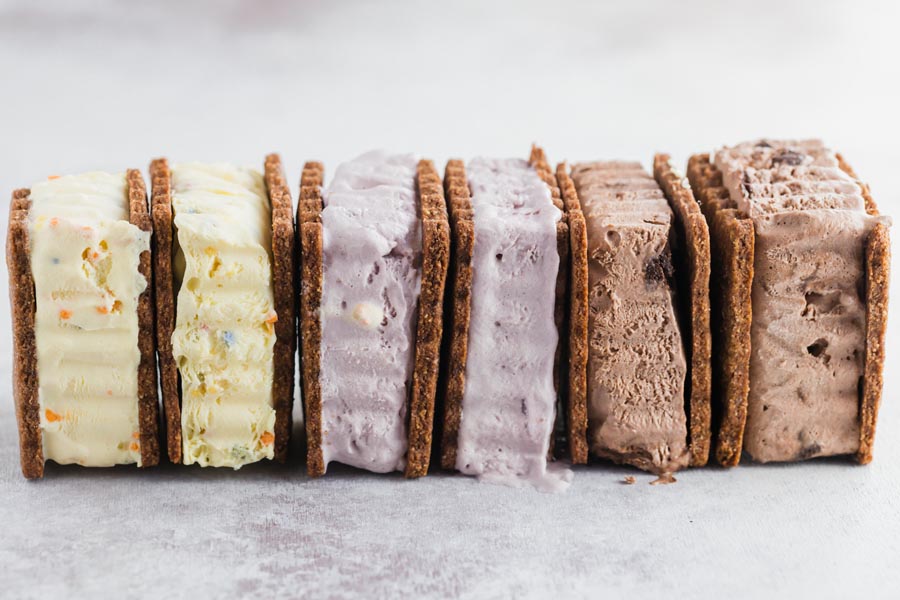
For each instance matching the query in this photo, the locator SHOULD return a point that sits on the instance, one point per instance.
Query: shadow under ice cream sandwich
(226, 331)
(647, 316)
(800, 305)
(84, 382)
(374, 256)
(507, 307)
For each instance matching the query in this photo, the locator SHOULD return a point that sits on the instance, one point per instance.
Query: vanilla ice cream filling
(85, 256)
(224, 331)
(372, 262)
(509, 402)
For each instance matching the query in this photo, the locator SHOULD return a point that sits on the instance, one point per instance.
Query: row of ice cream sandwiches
(486, 323)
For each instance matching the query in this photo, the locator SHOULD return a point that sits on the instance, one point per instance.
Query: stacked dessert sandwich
(374, 252)
(78, 253)
(648, 357)
(225, 311)
(801, 301)
(507, 303)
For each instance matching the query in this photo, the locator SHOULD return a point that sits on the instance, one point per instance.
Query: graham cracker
(309, 230)
(148, 398)
(435, 260)
(164, 282)
(459, 307)
(575, 358)
(694, 232)
(732, 247)
(283, 254)
(878, 263)
(22, 307)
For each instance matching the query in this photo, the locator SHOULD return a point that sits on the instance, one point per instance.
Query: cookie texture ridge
(435, 261)
(22, 307)
(575, 359)
(283, 267)
(148, 398)
(731, 276)
(693, 274)
(164, 283)
(309, 231)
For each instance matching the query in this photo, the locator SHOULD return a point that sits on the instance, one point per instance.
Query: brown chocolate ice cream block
(572, 332)
(283, 268)
(429, 321)
(801, 315)
(648, 249)
(23, 306)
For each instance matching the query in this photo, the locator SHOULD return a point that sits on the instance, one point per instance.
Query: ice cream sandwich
(801, 260)
(374, 257)
(78, 252)
(647, 316)
(226, 332)
(507, 303)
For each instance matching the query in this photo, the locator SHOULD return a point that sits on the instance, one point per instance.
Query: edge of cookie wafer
(309, 232)
(538, 160)
(435, 259)
(148, 399)
(878, 263)
(732, 248)
(163, 240)
(459, 306)
(283, 239)
(576, 353)
(22, 307)
(694, 232)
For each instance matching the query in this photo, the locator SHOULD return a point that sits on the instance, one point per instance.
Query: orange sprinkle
(95, 255)
(65, 314)
(52, 416)
(54, 222)
(267, 438)
(136, 435)
(109, 392)
(103, 310)
(51, 177)
(134, 447)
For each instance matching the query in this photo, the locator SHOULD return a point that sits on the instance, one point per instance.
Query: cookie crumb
(630, 480)
(664, 479)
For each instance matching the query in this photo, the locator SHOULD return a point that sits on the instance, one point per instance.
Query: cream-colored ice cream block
(636, 360)
(372, 272)
(85, 257)
(808, 297)
(509, 401)
(224, 329)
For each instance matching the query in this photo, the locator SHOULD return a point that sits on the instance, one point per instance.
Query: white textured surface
(109, 85)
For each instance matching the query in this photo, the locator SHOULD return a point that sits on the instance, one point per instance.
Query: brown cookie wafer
(309, 231)
(436, 257)
(148, 399)
(459, 304)
(694, 234)
(23, 306)
(283, 239)
(878, 262)
(164, 279)
(732, 247)
(576, 352)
